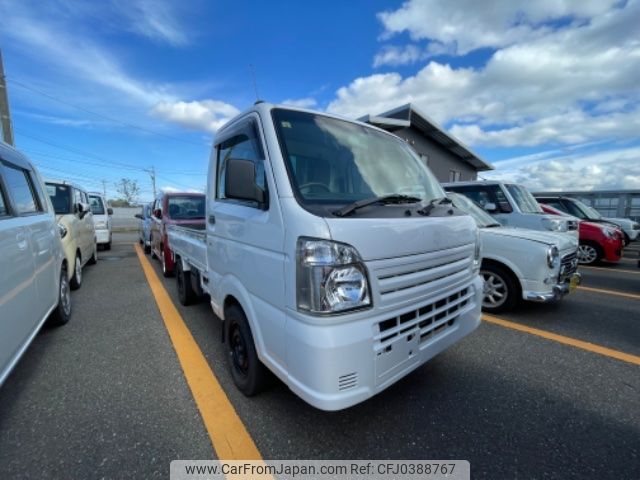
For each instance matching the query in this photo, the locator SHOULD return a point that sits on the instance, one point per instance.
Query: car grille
(427, 320)
(568, 266)
(407, 278)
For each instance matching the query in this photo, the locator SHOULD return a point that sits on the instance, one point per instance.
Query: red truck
(597, 241)
(175, 208)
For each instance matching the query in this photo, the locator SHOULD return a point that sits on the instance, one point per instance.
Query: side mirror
(240, 181)
(490, 207)
(82, 209)
(109, 211)
(157, 214)
(138, 215)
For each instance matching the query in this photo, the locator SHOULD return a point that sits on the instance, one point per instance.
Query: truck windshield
(587, 211)
(97, 207)
(482, 218)
(60, 196)
(332, 161)
(186, 208)
(523, 198)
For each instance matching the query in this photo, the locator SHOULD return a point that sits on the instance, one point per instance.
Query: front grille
(568, 265)
(427, 320)
(405, 278)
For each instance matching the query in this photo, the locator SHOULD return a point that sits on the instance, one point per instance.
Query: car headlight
(477, 254)
(555, 224)
(636, 226)
(331, 277)
(63, 230)
(609, 232)
(553, 257)
(101, 225)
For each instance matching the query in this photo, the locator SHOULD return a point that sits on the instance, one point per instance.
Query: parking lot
(548, 391)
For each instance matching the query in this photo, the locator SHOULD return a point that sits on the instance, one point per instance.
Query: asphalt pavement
(105, 397)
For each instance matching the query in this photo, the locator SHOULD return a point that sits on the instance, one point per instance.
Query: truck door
(245, 240)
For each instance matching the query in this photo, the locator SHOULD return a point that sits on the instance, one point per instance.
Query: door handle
(212, 219)
(21, 238)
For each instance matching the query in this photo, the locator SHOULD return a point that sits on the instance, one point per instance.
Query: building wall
(440, 160)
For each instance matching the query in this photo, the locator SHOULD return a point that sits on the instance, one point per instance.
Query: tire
(501, 290)
(107, 246)
(627, 239)
(62, 313)
(166, 273)
(147, 249)
(94, 258)
(76, 280)
(186, 293)
(589, 253)
(151, 250)
(248, 372)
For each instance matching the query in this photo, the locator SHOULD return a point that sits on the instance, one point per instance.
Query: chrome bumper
(558, 291)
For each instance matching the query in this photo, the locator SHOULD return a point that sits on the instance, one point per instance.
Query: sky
(548, 92)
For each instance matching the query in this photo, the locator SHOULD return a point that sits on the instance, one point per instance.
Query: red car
(598, 241)
(186, 209)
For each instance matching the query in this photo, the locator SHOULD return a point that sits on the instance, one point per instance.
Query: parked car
(144, 227)
(186, 209)
(521, 264)
(330, 253)
(574, 207)
(71, 205)
(34, 285)
(101, 219)
(598, 241)
(512, 205)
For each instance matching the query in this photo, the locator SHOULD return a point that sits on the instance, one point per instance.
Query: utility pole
(5, 115)
(152, 174)
(104, 189)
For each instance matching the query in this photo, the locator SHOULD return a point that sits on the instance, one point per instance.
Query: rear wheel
(588, 253)
(248, 372)
(76, 280)
(147, 249)
(500, 292)
(166, 271)
(62, 312)
(186, 294)
(94, 258)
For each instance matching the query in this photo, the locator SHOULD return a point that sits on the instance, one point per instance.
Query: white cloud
(468, 24)
(572, 84)
(155, 20)
(613, 169)
(307, 102)
(206, 115)
(392, 55)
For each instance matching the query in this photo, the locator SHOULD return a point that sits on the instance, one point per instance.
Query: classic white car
(521, 264)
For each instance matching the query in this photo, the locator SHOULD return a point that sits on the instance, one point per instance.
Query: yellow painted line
(228, 434)
(612, 270)
(590, 347)
(610, 292)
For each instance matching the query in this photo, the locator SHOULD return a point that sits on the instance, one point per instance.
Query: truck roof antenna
(255, 84)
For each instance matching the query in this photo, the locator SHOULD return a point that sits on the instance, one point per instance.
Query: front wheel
(248, 372)
(94, 258)
(76, 280)
(588, 254)
(500, 291)
(62, 312)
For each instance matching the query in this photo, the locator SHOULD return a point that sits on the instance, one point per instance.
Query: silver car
(144, 227)
(34, 285)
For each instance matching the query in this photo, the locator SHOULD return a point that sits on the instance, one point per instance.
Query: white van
(101, 219)
(512, 205)
(330, 253)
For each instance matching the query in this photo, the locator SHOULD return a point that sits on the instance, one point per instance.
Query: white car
(101, 219)
(519, 263)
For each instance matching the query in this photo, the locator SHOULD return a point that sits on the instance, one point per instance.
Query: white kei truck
(330, 253)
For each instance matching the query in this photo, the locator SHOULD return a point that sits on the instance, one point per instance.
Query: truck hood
(563, 241)
(380, 238)
(623, 222)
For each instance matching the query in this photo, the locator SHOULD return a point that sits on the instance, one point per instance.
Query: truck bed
(190, 244)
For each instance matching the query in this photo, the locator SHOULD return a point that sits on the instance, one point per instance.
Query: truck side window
(21, 189)
(3, 206)
(244, 143)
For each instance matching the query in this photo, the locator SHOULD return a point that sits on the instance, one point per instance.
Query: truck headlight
(331, 277)
(553, 257)
(63, 230)
(555, 224)
(477, 253)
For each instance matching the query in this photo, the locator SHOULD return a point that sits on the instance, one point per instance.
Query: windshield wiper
(432, 204)
(386, 199)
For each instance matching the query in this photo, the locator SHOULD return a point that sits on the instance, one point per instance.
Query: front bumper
(103, 236)
(556, 292)
(336, 366)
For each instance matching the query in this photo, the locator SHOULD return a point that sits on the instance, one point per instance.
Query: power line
(100, 115)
